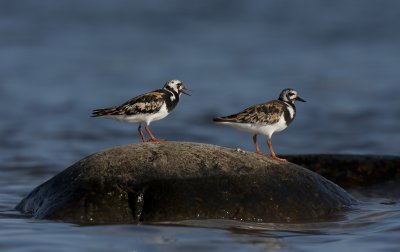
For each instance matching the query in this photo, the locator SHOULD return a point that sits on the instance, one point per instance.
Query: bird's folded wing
(147, 103)
(267, 113)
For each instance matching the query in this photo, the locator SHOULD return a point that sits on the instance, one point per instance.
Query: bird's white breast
(257, 128)
(146, 118)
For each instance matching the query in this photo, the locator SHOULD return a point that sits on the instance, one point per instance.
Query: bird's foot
(273, 156)
(279, 159)
(155, 140)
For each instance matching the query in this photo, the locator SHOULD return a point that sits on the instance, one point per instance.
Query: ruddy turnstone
(266, 118)
(146, 108)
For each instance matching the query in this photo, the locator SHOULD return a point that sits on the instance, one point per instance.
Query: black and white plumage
(146, 108)
(266, 118)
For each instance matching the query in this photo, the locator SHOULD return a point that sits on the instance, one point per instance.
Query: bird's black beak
(298, 98)
(184, 90)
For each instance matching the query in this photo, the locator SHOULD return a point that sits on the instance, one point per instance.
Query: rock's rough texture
(172, 181)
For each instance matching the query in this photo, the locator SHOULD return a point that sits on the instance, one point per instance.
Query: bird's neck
(173, 98)
(172, 92)
(290, 106)
(288, 102)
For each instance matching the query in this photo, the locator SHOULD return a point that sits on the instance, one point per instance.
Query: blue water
(61, 59)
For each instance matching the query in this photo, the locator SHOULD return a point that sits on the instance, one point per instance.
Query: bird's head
(290, 95)
(176, 86)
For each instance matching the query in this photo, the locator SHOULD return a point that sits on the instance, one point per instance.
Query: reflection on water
(370, 227)
(59, 60)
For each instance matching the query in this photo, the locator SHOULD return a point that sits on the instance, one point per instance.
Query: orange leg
(152, 138)
(273, 152)
(141, 134)
(256, 144)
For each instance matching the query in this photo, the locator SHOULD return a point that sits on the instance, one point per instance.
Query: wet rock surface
(171, 181)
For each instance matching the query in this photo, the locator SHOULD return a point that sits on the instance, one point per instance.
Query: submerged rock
(171, 181)
(351, 170)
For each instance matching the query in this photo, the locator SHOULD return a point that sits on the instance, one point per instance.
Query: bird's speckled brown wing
(266, 113)
(143, 104)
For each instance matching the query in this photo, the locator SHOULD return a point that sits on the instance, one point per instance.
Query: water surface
(59, 60)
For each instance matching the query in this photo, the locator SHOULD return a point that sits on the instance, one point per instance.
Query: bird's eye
(291, 94)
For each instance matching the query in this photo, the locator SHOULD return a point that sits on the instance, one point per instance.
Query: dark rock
(351, 170)
(172, 181)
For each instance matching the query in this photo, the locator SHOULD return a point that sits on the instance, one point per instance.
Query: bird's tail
(222, 119)
(103, 112)
(218, 119)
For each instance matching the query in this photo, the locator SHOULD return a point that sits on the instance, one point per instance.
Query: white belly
(142, 118)
(262, 129)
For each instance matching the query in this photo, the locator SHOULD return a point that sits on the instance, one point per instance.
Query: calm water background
(61, 59)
